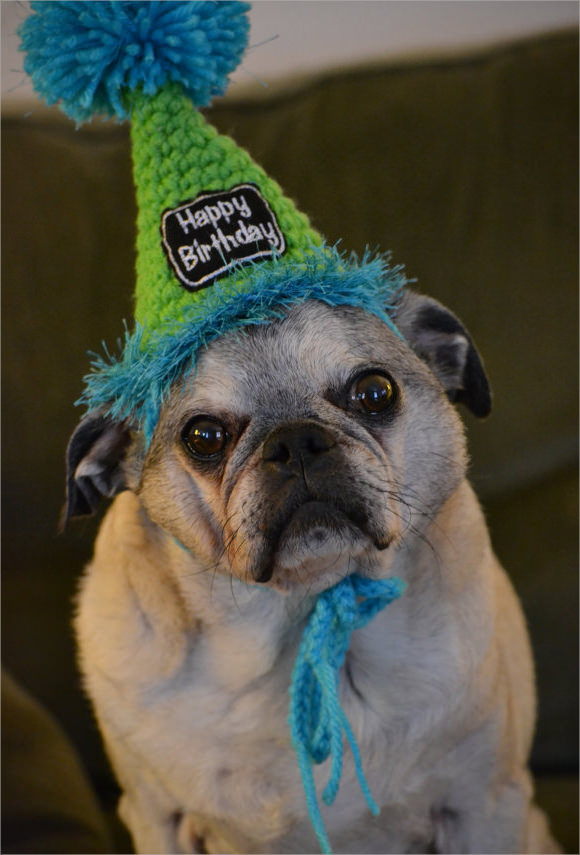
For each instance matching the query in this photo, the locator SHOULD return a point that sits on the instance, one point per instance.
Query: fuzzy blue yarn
(135, 385)
(317, 721)
(88, 55)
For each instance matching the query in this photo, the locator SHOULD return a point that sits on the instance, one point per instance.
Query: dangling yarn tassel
(317, 721)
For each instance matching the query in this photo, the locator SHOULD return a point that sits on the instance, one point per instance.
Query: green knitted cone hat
(215, 208)
(219, 246)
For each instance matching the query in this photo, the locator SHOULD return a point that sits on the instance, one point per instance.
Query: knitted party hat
(219, 245)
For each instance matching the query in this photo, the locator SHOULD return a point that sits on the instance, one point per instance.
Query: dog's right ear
(94, 459)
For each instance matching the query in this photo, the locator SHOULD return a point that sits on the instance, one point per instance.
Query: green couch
(466, 168)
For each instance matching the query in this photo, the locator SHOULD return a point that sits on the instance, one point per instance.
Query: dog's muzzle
(311, 491)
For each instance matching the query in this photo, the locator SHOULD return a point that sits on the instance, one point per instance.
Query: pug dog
(298, 452)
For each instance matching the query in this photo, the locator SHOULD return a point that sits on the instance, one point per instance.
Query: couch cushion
(47, 803)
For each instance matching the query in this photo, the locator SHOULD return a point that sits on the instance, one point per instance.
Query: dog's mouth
(316, 533)
(315, 520)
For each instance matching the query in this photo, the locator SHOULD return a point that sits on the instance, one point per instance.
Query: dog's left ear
(441, 340)
(94, 460)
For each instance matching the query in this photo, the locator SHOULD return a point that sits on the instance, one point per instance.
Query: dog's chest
(212, 728)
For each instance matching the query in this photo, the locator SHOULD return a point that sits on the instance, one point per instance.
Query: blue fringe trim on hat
(135, 384)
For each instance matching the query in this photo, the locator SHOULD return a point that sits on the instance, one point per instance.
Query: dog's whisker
(231, 578)
(214, 567)
(433, 519)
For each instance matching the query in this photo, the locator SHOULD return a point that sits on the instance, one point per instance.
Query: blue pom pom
(89, 55)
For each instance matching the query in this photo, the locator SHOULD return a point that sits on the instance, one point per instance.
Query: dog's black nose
(294, 447)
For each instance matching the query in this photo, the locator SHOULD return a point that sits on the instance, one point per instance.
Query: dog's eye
(374, 393)
(204, 437)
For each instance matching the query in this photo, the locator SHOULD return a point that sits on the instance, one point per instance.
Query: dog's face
(303, 449)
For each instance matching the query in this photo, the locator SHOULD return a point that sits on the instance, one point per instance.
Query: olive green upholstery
(47, 803)
(467, 169)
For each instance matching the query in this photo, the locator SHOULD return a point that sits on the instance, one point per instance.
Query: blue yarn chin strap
(317, 721)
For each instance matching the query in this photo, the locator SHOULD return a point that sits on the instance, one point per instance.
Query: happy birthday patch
(203, 239)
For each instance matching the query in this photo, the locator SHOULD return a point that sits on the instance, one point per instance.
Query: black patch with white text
(203, 239)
